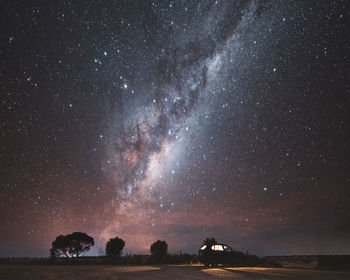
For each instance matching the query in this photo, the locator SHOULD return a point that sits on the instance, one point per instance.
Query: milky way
(182, 80)
(175, 120)
(186, 78)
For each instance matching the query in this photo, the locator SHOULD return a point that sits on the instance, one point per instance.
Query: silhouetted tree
(81, 242)
(114, 247)
(159, 249)
(71, 245)
(209, 241)
(60, 247)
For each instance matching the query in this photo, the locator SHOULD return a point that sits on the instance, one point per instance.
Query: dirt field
(19, 272)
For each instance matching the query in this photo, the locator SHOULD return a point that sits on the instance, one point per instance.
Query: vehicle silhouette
(220, 254)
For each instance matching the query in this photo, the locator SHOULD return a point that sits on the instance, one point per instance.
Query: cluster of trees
(73, 245)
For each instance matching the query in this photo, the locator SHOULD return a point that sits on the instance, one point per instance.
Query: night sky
(175, 120)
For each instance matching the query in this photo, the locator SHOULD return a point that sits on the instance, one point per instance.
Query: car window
(217, 247)
(227, 248)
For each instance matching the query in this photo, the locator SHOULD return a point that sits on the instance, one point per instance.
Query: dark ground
(18, 272)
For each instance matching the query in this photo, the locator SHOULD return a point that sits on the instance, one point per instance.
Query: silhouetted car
(220, 254)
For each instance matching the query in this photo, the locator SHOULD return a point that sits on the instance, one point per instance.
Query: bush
(159, 249)
(114, 247)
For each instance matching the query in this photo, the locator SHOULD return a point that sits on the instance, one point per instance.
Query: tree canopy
(159, 249)
(114, 247)
(71, 245)
(209, 241)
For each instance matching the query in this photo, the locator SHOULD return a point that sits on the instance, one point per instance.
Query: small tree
(210, 241)
(71, 245)
(159, 249)
(114, 247)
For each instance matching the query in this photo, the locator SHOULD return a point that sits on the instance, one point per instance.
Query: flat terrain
(28, 272)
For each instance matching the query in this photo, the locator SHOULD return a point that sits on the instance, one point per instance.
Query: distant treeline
(103, 260)
(323, 261)
(181, 258)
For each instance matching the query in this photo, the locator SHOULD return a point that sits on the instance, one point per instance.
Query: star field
(175, 120)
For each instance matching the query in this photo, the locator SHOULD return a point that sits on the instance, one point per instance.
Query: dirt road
(167, 272)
